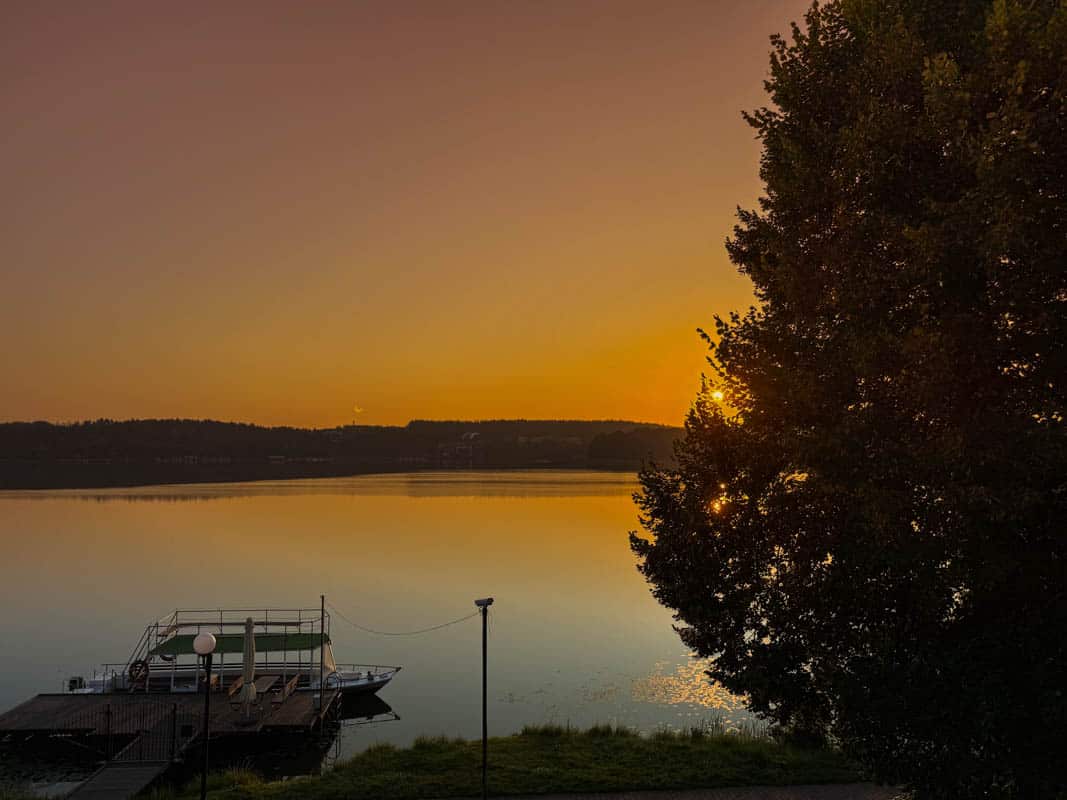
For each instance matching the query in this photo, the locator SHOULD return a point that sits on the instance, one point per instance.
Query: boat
(291, 649)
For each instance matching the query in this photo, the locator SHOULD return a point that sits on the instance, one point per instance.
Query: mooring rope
(399, 633)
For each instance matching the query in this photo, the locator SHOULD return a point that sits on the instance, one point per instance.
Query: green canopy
(235, 643)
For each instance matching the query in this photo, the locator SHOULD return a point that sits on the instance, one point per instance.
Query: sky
(311, 214)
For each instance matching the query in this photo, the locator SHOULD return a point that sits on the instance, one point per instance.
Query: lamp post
(204, 645)
(483, 605)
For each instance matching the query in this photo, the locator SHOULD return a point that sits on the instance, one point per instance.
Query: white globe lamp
(204, 644)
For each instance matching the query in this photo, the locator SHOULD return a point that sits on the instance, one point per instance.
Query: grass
(548, 759)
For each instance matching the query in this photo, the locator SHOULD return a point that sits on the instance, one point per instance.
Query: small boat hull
(355, 683)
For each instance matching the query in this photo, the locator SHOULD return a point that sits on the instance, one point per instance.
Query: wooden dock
(138, 735)
(119, 780)
(126, 714)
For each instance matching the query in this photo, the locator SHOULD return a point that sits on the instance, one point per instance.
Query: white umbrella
(248, 686)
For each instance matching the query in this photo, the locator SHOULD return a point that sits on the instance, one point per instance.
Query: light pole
(204, 645)
(484, 604)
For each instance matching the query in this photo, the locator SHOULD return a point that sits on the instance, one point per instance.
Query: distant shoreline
(112, 454)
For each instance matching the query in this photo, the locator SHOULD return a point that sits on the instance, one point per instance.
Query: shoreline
(551, 760)
(11, 482)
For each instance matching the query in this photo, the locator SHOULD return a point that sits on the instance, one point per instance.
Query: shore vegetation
(549, 759)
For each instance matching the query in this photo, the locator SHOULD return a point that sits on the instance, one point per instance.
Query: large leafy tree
(868, 536)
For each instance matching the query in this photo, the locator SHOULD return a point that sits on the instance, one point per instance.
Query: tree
(867, 538)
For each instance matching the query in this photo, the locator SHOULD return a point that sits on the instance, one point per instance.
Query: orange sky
(274, 212)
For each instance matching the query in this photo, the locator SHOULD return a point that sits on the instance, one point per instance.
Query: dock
(139, 717)
(125, 714)
(138, 735)
(120, 780)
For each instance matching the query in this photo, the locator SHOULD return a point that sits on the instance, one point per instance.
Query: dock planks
(157, 727)
(299, 711)
(118, 780)
(88, 713)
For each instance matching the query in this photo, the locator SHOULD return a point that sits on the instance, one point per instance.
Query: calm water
(575, 635)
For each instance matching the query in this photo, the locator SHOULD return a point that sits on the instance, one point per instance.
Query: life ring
(138, 672)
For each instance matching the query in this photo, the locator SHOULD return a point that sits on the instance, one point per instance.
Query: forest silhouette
(138, 452)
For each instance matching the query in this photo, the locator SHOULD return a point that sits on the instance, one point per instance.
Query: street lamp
(483, 607)
(204, 645)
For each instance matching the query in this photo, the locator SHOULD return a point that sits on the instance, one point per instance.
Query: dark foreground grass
(552, 759)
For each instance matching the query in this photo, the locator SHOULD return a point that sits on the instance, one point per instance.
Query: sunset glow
(310, 214)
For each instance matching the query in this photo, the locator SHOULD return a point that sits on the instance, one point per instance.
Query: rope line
(398, 633)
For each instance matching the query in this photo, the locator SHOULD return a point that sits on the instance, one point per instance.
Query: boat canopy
(182, 644)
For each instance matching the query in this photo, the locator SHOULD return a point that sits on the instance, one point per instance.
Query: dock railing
(146, 731)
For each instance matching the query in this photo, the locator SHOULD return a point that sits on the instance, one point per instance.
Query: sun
(717, 396)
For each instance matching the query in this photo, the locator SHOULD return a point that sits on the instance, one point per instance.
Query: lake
(575, 636)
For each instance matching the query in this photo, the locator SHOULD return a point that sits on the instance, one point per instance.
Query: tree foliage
(868, 536)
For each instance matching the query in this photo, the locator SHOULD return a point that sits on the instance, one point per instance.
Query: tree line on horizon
(111, 453)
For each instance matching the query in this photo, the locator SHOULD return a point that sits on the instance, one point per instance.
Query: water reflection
(473, 483)
(576, 636)
(684, 684)
(366, 708)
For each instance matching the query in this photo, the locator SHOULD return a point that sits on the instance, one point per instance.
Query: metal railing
(132, 732)
(216, 620)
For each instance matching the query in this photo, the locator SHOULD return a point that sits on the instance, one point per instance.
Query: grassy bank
(550, 759)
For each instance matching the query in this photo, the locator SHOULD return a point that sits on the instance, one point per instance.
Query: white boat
(291, 648)
(356, 680)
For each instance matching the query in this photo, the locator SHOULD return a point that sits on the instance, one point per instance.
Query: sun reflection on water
(686, 683)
